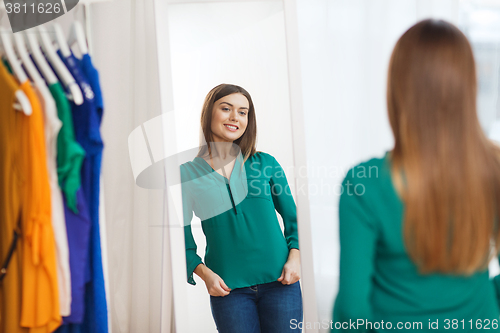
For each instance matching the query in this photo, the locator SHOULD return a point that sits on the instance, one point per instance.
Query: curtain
(124, 51)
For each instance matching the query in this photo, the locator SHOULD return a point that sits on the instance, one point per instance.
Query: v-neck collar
(221, 177)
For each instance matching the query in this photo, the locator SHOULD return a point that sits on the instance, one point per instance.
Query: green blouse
(245, 244)
(70, 154)
(378, 280)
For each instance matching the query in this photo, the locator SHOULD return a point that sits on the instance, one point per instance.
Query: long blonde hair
(445, 169)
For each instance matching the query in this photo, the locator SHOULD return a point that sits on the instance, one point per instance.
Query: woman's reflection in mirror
(251, 267)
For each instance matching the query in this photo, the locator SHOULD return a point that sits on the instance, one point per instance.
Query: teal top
(245, 244)
(70, 154)
(378, 280)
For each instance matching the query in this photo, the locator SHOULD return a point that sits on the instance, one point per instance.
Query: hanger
(23, 104)
(60, 40)
(60, 68)
(12, 57)
(76, 34)
(26, 60)
(20, 44)
(40, 60)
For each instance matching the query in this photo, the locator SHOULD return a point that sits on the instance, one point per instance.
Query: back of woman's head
(444, 167)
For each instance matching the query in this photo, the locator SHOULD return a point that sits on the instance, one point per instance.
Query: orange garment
(40, 295)
(11, 183)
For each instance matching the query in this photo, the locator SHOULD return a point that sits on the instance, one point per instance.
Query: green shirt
(70, 154)
(378, 280)
(245, 244)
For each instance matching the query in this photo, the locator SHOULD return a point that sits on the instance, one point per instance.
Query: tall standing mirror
(202, 44)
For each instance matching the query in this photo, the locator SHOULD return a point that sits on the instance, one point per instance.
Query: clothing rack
(47, 36)
(86, 14)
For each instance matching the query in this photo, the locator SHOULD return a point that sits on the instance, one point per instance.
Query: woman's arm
(284, 203)
(192, 258)
(214, 283)
(358, 236)
(291, 271)
(285, 206)
(194, 265)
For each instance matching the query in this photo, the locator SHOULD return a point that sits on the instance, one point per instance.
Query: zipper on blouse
(232, 201)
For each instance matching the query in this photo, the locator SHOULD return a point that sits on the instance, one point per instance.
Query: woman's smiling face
(229, 117)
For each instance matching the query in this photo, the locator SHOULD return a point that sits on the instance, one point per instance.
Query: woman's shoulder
(193, 168)
(187, 165)
(367, 186)
(260, 153)
(263, 159)
(263, 156)
(369, 169)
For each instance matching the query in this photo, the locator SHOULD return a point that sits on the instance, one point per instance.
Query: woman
(251, 270)
(416, 230)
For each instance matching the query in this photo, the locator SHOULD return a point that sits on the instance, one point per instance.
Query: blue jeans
(266, 308)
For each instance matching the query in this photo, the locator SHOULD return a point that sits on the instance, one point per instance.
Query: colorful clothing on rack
(91, 73)
(70, 154)
(52, 127)
(86, 120)
(70, 157)
(40, 296)
(78, 227)
(11, 184)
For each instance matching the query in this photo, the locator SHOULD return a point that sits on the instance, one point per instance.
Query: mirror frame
(174, 306)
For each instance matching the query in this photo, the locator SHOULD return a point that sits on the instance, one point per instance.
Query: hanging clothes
(53, 125)
(40, 296)
(86, 122)
(91, 73)
(70, 157)
(78, 227)
(70, 154)
(52, 128)
(12, 182)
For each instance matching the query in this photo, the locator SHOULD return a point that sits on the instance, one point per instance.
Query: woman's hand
(214, 283)
(291, 271)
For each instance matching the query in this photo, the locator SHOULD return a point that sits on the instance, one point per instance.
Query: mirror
(244, 43)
